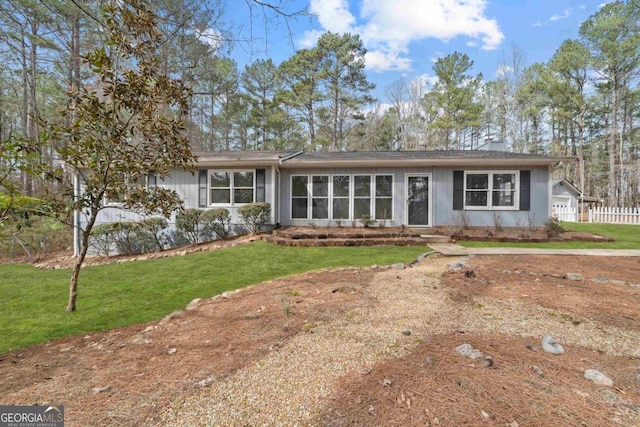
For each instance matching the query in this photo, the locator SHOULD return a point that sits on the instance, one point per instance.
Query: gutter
(513, 162)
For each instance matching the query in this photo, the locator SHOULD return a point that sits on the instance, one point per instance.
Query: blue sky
(405, 37)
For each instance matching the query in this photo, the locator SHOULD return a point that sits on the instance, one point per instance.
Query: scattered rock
(149, 329)
(574, 276)
(514, 424)
(172, 350)
(226, 295)
(365, 371)
(206, 382)
(386, 382)
(488, 362)
(484, 414)
(551, 346)
(608, 396)
(193, 304)
(170, 316)
(531, 347)
(406, 332)
(638, 378)
(142, 339)
(597, 377)
(537, 370)
(66, 349)
(469, 274)
(97, 390)
(467, 351)
(398, 266)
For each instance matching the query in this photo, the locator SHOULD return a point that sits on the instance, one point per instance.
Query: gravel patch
(292, 383)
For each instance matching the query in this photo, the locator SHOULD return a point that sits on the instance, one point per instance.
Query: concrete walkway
(451, 249)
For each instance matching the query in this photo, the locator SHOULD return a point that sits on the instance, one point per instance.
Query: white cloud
(211, 37)
(503, 71)
(379, 60)
(387, 28)
(567, 13)
(436, 55)
(537, 24)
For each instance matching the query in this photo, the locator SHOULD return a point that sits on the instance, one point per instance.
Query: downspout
(277, 169)
(277, 197)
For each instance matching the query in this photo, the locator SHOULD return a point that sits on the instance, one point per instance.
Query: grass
(114, 295)
(626, 237)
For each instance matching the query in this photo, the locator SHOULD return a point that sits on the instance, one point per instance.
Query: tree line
(583, 102)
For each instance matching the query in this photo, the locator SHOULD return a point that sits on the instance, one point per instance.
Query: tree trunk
(73, 283)
(611, 190)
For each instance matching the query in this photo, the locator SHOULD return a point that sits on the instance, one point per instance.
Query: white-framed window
(491, 190)
(231, 187)
(118, 198)
(299, 197)
(320, 196)
(384, 197)
(341, 193)
(341, 196)
(361, 196)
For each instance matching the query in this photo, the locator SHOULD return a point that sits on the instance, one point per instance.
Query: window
(299, 197)
(384, 196)
(117, 198)
(491, 190)
(361, 196)
(231, 187)
(341, 200)
(341, 196)
(320, 197)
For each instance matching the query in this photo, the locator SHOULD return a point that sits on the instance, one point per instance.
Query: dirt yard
(373, 346)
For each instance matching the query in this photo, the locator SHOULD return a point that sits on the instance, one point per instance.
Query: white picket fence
(565, 213)
(615, 215)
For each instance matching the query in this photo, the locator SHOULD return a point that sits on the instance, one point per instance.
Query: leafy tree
(345, 84)
(613, 36)
(302, 79)
(455, 94)
(126, 126)
(570, 63)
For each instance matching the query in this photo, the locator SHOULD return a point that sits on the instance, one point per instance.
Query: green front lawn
(33, 301)
(626, 236)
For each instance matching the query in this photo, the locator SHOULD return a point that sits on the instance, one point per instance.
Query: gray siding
(442, 213)
(186, 185)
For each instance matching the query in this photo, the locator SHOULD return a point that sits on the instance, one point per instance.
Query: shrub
(553, 227)
(366, 220)
(217, 221)
(255, 215)
(131, 237)
(103, 236)
(188, 224)
(154, 227)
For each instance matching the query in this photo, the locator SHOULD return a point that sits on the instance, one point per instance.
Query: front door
(418, 206)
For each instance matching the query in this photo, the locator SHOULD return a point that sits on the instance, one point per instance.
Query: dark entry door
(418, 200)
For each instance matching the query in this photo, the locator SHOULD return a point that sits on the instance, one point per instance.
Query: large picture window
(231, 187)
(320, 197)
(299, 197)
(384, 196)
(491, 190)
(361, 196)
(341, 197)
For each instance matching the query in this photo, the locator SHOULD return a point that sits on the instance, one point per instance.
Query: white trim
(231, 187)
(392, 196)
(408, 175)
(490, 190)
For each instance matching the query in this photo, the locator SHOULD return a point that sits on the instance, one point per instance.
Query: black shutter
(202, 188)
(260, 185)
(525, 190)
(458, 190)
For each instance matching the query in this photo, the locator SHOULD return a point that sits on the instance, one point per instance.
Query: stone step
(378, 241)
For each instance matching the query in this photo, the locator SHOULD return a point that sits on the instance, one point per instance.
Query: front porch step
(368, 241)
(435, 238)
